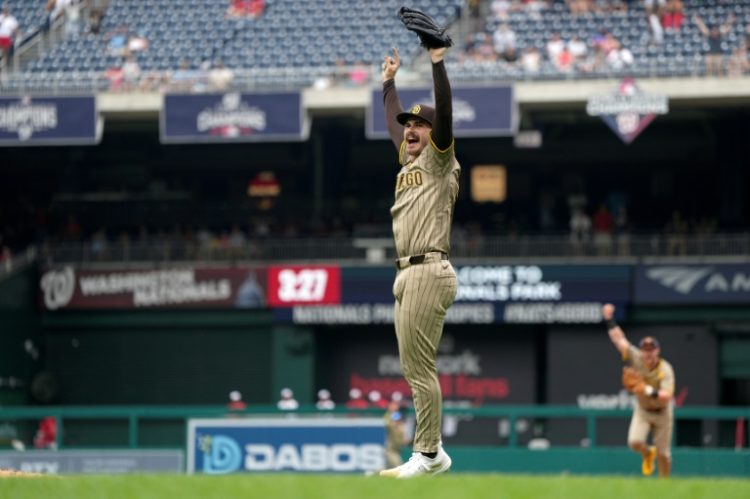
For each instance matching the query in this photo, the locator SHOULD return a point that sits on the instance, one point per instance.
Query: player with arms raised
(425, 286)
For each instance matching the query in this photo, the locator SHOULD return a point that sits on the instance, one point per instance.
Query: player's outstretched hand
(437, 54)
(608, 312)
(390, 65)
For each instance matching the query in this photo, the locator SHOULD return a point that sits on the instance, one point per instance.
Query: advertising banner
(67, 288)
(477, 111)
(522, 294)
(221, 446)
(476, 366)
(94, 461)
(692, 284)
(303, 285)
(233, 117)
(34, 121)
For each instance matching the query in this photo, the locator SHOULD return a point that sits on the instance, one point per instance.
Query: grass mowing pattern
(294, 486)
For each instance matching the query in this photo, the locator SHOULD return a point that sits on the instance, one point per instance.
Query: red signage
(304, 285)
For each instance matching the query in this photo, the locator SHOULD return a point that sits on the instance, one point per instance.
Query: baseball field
(351, 487)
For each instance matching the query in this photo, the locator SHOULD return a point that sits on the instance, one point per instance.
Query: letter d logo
(224, 456)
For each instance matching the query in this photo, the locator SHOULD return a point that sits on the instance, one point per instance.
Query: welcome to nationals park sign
(324, 294)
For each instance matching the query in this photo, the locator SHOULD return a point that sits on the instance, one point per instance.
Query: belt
(408, 261)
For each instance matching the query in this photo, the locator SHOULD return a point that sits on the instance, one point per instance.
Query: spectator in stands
(137, 42)
(377, 400)
(603, 226)
(738, 63)
(116, 77)
(578, 49)
(531, 60)
(474, 8)
(622, 230)
(500, 10)
(183, 78)
(654, 6)
(504, 43)
(715, 38)
(236, 404)
(9, 32)
(676, 230)
(46, 435)
(324, 402)
(655, 27)
(72, 12)
(131, 73)
(673, 15)
(554, 46)
(534, 8)
(484, 50)
(220, 77)
(117, 42)
(355, 399)
(97, 8)
(564, 61)
(246, 8)
(580, 229)
(579, 6)
(287, 401)
(359, 74)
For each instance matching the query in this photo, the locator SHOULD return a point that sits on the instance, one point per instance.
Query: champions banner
(219, 447)
(477, 111)
(233, 117)
(34, 121)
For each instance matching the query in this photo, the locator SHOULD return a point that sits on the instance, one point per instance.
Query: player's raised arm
(616, 334)
(442, 129)
(391, 101)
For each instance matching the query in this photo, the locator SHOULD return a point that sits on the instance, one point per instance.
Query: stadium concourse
(194, 199)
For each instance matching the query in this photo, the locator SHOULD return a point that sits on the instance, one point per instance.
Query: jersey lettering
(407, 180)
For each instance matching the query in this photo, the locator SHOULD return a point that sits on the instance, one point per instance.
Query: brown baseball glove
(632, 380)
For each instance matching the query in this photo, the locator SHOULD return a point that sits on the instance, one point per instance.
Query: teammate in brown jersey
(425, 287)
(654, 398)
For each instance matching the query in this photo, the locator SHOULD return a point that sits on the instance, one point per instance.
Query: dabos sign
(304, 285)
(217, 446)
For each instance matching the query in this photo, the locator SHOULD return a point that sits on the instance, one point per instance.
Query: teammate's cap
(649, 343)
(420, 111)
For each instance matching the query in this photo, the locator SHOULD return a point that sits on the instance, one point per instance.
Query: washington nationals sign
(628, 110)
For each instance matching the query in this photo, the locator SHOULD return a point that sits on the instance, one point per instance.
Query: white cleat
(421, 465)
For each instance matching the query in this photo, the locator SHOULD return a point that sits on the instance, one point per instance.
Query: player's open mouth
(412, 140)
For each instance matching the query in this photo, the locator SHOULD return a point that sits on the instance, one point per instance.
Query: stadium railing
(730, 247)
(135, 416)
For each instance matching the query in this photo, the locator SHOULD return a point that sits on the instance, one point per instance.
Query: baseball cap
(649, 343)
(420, 111)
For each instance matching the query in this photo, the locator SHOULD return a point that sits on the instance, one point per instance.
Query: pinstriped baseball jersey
(426, 191)
(661, 377)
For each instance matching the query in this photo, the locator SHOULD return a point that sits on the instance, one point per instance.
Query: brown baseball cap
(420, 111)
(649, 343)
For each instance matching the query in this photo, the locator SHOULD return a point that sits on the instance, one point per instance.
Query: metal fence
(623, 248)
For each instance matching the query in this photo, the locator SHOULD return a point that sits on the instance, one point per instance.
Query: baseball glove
(632, 380)
(430, 34)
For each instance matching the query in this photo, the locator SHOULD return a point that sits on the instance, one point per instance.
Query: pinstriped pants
(423, 295)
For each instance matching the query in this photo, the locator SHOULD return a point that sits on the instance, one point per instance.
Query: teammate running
(651, 379)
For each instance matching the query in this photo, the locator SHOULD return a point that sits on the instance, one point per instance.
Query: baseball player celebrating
(651, 379)
(425, 286)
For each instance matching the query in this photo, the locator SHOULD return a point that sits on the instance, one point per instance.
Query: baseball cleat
(647, 467)
(420, 465)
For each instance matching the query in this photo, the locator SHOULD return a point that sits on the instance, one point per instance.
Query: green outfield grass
(355, 487)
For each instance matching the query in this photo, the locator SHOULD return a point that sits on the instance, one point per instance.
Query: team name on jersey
(407, 180)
